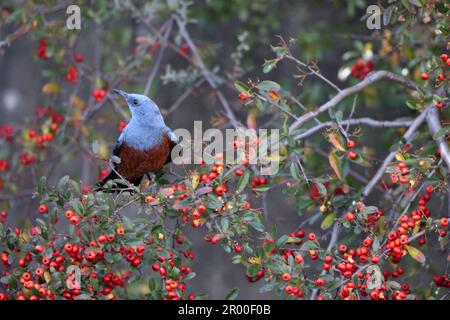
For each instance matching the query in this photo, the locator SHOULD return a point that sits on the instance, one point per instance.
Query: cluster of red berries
(99, 95)
(351, 153)
(402, 173)
(443, 224)
(72, 217)
(27, 159)
(441, 76)
(41, 52)
(442, 281)
(216, 170)
(72, 74)
(258, 181)
(132, 255)
(7, 133)
(361, 68)
(174, 287)
(55, 118)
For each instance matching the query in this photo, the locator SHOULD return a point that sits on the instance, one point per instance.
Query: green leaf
(257, 225)
(62, 182)
(282, 241)
(268, 85)
(232, 294)
(441, 132)
(269, 65)
(243, 181)
(387, 15)
(412, 105)
(295, 173)
(321, 188)
(416, 254)
(41, 185)
(240, 86)
(279, 51)
(328, 221)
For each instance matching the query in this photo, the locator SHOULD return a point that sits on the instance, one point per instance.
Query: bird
(144, 145)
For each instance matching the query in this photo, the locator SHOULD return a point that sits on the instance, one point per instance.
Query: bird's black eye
(135, 102)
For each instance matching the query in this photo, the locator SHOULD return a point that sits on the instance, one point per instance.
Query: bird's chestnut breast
(135, 163)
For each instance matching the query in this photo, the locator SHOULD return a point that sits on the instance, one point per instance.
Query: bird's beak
(121, 93)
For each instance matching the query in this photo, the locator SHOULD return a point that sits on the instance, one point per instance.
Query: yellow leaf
(416, 254)
(336, 141)
(51, 88)
(47, 276)
(334, 163)
(399, 156)
(195, 181)
(254, 260)
(77, 101)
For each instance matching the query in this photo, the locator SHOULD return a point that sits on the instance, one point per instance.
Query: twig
(206, 73)
(370, 79)
(406, 138)
(313, 71)
(353, 122)
(159, 57)
(434, 125)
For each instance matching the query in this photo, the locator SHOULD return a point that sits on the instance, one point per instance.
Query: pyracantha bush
(78, 243)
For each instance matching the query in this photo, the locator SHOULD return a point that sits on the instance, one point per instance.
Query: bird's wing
(173, 142)
(118, 145)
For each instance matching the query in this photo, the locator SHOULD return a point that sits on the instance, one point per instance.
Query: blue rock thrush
(145, 145)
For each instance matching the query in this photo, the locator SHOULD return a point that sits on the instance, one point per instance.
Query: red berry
(444, 221)
(350, 217)
(69, 214)
(320, 282)
(298, 259)
(43, 208)
(74, 220)
(444, 57)
(244, 96)
(120, 231)
(312, 236)
(351, 144)
(424, 76)
(79, 57)
(286, 277)
(352, 154)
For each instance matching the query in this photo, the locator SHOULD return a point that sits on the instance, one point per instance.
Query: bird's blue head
(143, 110)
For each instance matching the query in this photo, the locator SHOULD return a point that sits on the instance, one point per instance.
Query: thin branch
(434, 124)
(406, 139)
(159, 56)
(206, 73)
(370, 79)
(353, 122)
(313, 71)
